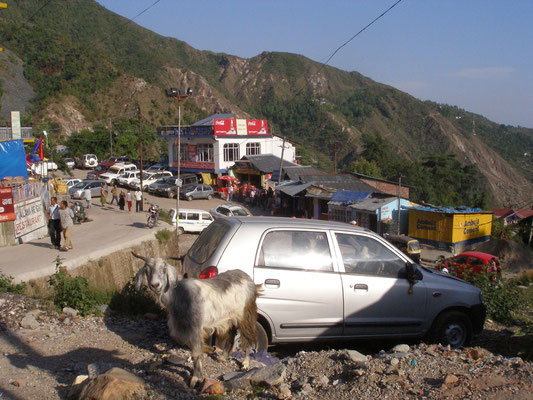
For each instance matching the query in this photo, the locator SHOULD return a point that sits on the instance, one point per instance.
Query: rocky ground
(42, 352)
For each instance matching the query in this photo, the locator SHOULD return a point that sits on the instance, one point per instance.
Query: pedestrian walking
(138, 200)
(122, 200)
(54, 224)
(102, 195)
(88, 197)
(128, 200)
(66, 215)
(229, 197)
(114, 193)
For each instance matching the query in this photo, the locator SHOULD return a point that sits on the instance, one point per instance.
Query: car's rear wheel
(113, 182)
(188, 198)
(452, 328)
(170, 194)
(262, 339)
(209, 197)
(181, 231)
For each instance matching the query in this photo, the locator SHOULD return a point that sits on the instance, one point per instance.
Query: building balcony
(26, 134)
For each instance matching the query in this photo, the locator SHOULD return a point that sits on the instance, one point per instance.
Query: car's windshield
(207, 242)
(240, 212)
(113, 170)
(80, 185)
(100, 168)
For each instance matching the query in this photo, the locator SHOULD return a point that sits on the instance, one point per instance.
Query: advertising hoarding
(7, 207)
(230, 127)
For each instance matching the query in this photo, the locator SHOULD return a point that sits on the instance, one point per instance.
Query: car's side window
(296, 249)
(194, 216)
(223, 210)
(207, 217)
(364, 255)
(460, 260)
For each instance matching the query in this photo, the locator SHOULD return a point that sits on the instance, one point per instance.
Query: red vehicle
(469, 263)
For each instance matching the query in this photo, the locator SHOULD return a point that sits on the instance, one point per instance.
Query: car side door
(302, 290)
(377, 298)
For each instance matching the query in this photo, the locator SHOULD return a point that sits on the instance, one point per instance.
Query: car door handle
(359, 286)
(272, 283)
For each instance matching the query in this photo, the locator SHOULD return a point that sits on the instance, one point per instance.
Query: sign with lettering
(7, 207)
(29, 216)
(230, 127)
(206, 165)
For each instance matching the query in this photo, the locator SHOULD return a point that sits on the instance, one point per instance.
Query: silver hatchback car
(327, 280)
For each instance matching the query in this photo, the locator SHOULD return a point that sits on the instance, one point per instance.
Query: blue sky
(476, 54)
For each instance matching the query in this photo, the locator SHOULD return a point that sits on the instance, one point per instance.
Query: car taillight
(208, 273)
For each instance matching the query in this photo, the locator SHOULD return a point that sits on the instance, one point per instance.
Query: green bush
(132, 302)
(163, 235)
(6, 285)
(71, 292)
(165, 216)
(503, 299)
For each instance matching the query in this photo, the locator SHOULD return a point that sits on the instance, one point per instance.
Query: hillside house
(215, 143)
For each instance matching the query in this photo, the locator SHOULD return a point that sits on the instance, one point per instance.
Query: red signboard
(7, 206)
(196, 164)
(191, 152)
(230, 127)
(256, 127)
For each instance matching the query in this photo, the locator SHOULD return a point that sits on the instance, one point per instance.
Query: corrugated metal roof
(293, 189)
(347, 197)
(372, 204)
(209, 120)
(267, 163)
(294, 172)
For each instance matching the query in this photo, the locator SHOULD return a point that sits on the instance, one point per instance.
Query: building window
(231, 152)
(341, 214)
(204, 151)
(183, 154)
(253, 149)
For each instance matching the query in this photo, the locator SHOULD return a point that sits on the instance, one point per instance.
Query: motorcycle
(79, 212)
(153, 216)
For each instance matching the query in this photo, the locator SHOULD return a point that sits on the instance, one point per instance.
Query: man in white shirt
(88, 196)
(54, 226)
(138, 200)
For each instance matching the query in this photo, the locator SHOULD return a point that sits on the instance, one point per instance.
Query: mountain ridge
(92, 69)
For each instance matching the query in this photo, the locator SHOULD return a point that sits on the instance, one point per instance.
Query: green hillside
(78, 54)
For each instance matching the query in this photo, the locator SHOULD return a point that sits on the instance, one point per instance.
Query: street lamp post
(179, 94)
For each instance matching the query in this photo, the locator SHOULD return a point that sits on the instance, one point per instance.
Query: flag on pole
(41, 151)
(37, 145)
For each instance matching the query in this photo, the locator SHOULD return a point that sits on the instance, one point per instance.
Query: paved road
(108, 231)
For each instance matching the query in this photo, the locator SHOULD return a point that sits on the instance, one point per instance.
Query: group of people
(254, 196)
(122, 199)
(60, 220)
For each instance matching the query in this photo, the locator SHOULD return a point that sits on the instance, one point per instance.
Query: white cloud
(485, 73)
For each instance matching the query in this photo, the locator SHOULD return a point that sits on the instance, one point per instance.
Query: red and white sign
(230, 127)
(191, 152)
(195, 164)
(28, 217)
(7, 206)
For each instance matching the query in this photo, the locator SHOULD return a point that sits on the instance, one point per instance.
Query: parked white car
(116, 171)
(71, 182)
(148, 178)
(191, 220)
(127, 177)
(229, 210)
(88, 161)
(70, 163)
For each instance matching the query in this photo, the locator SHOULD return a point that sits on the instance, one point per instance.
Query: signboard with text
(7, 207)
(230, 127)
(29, 217)
(195, 164)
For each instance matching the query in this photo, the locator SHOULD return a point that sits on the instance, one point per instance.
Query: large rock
(354, 355)
(270, 375)
(29, 322)
(115, 384)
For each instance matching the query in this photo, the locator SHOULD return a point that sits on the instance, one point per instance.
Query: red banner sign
(7, 206)
(230, 127)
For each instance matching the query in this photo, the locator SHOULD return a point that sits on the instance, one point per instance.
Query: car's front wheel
(209, 197)
(170, 194)
(452, 328)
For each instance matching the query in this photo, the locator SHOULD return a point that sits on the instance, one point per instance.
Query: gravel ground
(43, 359)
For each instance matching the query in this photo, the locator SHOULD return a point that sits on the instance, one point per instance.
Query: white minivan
(191, 220)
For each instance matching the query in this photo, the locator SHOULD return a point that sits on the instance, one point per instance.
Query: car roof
(478, 254)
(284, 222)
(193, 210)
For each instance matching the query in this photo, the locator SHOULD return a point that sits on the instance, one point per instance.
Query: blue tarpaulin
(347, 197)
(12, 159)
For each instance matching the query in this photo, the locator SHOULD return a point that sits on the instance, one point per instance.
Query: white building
(213, 144)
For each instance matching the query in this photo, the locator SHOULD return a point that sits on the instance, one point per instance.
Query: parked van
(191, 220)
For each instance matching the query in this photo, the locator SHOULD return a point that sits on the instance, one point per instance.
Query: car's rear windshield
(80, 185)
(208, 241)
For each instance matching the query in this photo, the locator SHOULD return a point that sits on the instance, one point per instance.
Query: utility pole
(2, 5)
(281, 161)
(111, 135)
(140, 153)
(399, 201)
